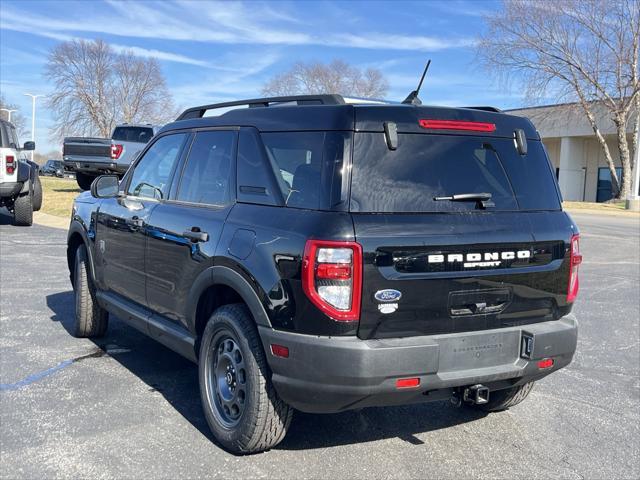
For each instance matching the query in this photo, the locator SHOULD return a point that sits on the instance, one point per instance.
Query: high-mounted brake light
(574, 262)
(116, 151)
(457, 125)
(332, 278)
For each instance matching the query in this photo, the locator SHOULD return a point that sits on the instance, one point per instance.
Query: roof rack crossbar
(198, 112)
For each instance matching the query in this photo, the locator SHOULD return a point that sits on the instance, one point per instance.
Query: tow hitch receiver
(476, 394)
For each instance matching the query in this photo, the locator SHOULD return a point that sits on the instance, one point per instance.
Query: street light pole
(33, 118)
(9, 112)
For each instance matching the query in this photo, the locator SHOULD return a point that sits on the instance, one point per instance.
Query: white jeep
(20, 187)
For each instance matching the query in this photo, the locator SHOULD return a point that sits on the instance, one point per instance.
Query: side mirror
(105, 186)
(29, 146)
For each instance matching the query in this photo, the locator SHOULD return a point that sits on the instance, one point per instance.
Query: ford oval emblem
(388, 295)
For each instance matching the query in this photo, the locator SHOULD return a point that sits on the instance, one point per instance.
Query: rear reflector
(279, 351)
(457, 125)
(545, 363)
(407, 382)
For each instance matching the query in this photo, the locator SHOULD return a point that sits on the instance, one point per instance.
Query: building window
(605, 190)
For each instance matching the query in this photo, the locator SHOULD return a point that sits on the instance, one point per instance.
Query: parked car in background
(20, 188)
(53, 168)
(89, 157)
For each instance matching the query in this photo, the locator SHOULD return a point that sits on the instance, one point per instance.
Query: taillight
(457, 125)
(10, 164)
(332, 278)
(116, 151)
(575, 260)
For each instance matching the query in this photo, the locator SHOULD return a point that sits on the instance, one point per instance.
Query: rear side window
(425, 167)
(308, 167)
(132, 134)
(206, 176)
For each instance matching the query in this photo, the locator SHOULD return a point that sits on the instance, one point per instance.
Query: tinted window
(206, 176)
(151, 176)
(308, 167)
(531, 176)
(428, 166)
(133, 134)
(256, 179)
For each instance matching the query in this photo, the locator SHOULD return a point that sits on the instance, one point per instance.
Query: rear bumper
(332, 374)
(10, 189)
(89, 166)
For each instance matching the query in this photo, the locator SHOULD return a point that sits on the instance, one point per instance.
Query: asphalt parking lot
(127, 407)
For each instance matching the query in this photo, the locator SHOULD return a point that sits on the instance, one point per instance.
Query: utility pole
(9, 112)
(33, 118)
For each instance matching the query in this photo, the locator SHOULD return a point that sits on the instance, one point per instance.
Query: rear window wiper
(483, 200)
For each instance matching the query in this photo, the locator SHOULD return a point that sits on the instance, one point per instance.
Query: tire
(37, 194)
(91, 320)
(23, 210)
(504, 399)
(84, 180)
(244, 416)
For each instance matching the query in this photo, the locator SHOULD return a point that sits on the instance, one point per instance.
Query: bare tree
(16, 117)
(582, 50)
(335, 77)
(96, 88)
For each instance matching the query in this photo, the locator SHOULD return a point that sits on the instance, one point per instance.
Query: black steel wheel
(241, 406)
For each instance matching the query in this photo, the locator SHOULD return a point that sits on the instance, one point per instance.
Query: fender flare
(220, 275)
(77, 228)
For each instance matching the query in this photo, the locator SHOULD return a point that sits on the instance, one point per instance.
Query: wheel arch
(77, 237)
(217, 286)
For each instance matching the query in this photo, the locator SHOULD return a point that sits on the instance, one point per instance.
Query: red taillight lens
(116, 151)
(332, 278)
(545, 363)
(457, 125)
(10, 164)
(407, 382)
(575, 261)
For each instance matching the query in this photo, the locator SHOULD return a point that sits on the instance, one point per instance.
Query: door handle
(195, 235)
(135, 221)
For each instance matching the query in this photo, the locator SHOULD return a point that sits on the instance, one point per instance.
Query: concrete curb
(52, 221)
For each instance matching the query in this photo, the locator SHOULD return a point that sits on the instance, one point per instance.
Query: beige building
(573, 149)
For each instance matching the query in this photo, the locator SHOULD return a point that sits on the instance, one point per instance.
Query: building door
(605, 191)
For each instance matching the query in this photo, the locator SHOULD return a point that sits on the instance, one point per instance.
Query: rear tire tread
(23, 210)
(91, 320)
(273, 416)
(508, 398)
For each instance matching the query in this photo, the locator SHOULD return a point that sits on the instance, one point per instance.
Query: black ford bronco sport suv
(317, 255)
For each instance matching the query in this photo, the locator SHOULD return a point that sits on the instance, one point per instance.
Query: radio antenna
(413, 99)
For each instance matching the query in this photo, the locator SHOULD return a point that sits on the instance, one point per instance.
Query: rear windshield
(132, 134)
(308, 167)
(426, 167)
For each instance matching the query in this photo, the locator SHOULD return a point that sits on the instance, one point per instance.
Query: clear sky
(212, 51)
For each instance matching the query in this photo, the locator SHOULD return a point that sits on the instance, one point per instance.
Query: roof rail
(198, 112)
(485, 108)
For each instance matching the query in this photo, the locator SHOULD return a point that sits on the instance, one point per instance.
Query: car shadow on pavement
(5, 217)
(176, 379)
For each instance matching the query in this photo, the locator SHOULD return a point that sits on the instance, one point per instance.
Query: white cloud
(159, 54)
(229, 23)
